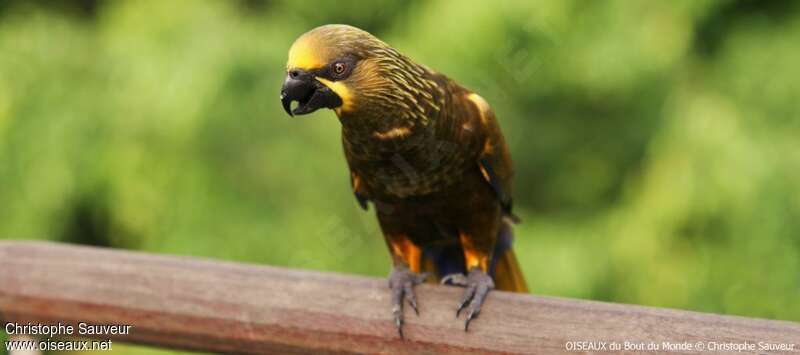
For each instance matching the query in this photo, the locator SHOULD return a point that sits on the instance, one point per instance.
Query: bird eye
(339, 68)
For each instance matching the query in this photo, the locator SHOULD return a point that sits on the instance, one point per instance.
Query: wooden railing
(196, 304)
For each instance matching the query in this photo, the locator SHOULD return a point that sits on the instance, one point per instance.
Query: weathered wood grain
(197, 304)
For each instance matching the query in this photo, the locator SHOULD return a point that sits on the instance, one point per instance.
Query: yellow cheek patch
(304, 55)
(340, 89)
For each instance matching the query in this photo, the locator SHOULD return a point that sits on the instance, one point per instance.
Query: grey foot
(478, 285)
(402, 282)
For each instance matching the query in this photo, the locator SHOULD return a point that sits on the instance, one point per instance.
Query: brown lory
(425, 151)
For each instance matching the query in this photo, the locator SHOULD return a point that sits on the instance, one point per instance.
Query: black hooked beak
(309, 93)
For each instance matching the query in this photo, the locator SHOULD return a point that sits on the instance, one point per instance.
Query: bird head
(346, 69)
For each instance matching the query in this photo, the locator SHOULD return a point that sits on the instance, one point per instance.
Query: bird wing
(494, 160)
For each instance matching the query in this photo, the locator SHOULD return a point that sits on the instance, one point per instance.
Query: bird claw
(478, 284)
(402, 282)
(455, 279)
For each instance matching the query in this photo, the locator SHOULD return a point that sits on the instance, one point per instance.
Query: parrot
(427, 153)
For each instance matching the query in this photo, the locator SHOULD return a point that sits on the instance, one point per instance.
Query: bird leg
(402, 281)
(406, 257)
(478, 284)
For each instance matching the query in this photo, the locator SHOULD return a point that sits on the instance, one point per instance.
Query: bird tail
(508, 275)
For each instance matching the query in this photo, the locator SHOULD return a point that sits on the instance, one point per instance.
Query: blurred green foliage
(655, 143)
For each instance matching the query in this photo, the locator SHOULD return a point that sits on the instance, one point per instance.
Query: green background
(656, 144)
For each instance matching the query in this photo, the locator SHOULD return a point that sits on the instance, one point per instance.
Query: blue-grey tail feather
(446, 260)
(505, 237)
